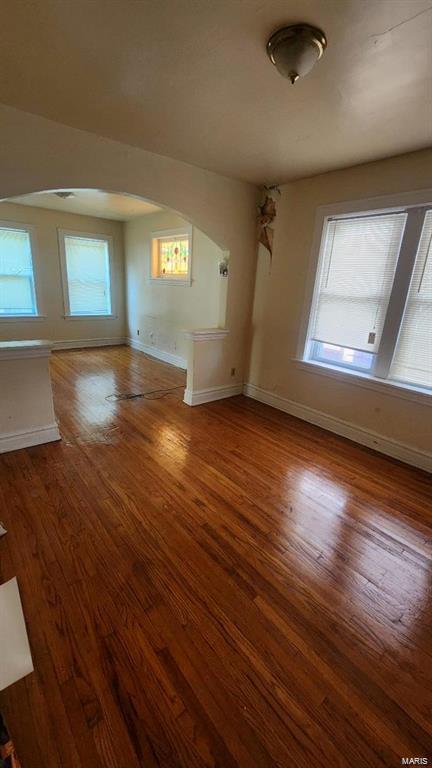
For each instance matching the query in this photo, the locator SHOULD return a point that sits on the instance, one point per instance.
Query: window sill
(90, 317)
(392, 388)
(21, 318)
(171, 281)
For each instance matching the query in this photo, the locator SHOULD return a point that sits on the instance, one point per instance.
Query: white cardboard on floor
(15, 656)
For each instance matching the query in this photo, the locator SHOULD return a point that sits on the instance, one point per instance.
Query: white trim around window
(414, 205)
(36, 315)
(83, 315)
(22, 318)
(155, 274)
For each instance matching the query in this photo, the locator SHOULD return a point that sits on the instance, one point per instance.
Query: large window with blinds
(86, 274)
(17, 285)
(372, 306)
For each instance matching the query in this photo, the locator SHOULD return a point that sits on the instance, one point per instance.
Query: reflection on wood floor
(220, 586)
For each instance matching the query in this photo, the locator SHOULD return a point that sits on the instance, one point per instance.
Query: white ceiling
(191, 79)
(91, 202)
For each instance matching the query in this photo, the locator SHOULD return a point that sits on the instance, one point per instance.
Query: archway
(157, 316)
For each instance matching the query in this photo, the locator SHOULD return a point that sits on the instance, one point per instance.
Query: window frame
(175, 232)
(62, 234)
(415, 204)
(30, 229)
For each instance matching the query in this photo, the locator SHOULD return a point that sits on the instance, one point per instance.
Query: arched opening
(154, 295)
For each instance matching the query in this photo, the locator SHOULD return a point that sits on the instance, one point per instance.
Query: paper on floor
(15, 656)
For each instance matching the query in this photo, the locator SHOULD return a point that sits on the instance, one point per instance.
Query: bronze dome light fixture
(295, 49)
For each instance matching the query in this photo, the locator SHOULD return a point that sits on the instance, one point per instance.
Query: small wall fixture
(294, 50)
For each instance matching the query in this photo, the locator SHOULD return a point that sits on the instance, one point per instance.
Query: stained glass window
(171, 255)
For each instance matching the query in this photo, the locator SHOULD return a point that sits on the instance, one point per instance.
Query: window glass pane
(87, 265)
(355, 279)
(412, 361)
(17, 296)
(343, 356)
(173, 256)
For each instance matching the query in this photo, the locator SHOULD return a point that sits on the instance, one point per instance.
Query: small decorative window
(171, 255)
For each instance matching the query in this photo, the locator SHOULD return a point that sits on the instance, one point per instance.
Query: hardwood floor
(215, 586)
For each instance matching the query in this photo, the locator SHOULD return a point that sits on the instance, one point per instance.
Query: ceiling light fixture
(295, 49)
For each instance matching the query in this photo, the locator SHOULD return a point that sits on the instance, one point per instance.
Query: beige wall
(280, 296)
(160, 312)
(26, 403)
(38, 154)
(48, 277)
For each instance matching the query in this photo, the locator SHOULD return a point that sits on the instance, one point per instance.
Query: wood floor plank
(222, 586)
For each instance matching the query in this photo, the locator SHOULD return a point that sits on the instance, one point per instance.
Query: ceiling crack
(401, 23)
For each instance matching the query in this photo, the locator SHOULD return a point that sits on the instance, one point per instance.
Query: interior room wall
(26, 402)
(281, 293)
(39, 154)
(161, 312)
(53, 325)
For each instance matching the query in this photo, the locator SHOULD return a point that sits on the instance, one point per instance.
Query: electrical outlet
(233, 370)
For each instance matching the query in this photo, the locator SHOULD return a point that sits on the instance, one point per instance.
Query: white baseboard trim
(200, 396)
(159, 354)
(378, 442)
(83, 343)
(14, 441)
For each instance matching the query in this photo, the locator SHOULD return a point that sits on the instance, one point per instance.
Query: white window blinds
(356, 276)
(17, 294)
(413, 357)
(88, 275)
